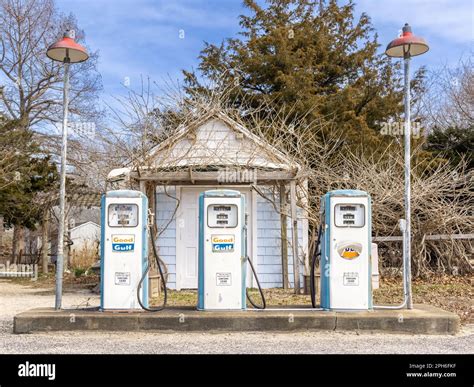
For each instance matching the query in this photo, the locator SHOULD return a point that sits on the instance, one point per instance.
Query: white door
(187, 239)
(187, 235)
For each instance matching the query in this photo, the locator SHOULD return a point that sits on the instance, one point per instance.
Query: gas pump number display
(222, 216)
(349, 215)
(123, 215)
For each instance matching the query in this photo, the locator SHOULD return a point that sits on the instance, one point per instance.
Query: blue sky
(145, 37)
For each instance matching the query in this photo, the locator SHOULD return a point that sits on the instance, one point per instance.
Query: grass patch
(71, 280)
(452, 293)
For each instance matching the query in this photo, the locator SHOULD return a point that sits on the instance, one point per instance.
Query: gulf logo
(349, 253)
(349, 250)
(123, 243)
(222, 243)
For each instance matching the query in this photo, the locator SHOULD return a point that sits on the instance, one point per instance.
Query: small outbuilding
(84, 236)
(217, 152)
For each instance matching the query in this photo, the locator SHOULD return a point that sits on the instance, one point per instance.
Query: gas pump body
(222, 251)
(123, 249)
(346, 250)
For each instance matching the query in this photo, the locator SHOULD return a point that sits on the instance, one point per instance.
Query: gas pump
(124, 254)
(222, 267)
(123, 249)
(345, 250)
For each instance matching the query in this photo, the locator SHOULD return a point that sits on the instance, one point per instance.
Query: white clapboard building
(84, 236)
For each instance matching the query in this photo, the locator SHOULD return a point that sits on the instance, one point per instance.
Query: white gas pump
(222, 250)
(346, 250)
(123, 249)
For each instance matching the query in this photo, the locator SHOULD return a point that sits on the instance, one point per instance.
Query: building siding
(215, 143)
(166, 239)
(86, 235)
(269, 266)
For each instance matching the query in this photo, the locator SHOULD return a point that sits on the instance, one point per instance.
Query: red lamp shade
(67, 50)
(407, 45)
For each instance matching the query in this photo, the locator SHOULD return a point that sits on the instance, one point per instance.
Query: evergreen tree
(453, 143)
(313, 57)
(23, 174)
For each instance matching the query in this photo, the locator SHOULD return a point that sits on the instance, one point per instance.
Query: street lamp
(67, 51)
(405, 47)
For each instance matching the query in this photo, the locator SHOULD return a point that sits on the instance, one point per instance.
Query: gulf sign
(222, 243)
(123, 243)
(349, 250)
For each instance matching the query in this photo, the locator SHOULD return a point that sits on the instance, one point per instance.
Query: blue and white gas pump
(123, 249)
(222, 250)
(346, 250)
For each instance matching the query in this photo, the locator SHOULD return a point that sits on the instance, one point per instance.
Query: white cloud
(446, 19)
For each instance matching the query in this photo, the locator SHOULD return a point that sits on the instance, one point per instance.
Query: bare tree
(32, 86)
(449, 97)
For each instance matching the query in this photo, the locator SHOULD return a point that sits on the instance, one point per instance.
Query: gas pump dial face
(222, 215)
(123, 215)
(349, 215)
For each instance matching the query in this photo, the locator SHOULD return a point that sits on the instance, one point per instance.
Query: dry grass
(71, 281)
(82, 259)
(452, 293)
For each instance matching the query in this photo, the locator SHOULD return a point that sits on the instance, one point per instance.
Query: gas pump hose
(165, 291)
(317, 252)
(312, 284)
(262, 296)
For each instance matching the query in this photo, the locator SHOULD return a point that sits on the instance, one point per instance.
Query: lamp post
(405, 47)
(67, 51)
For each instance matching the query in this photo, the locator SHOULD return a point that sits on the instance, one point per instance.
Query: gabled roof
(85, 224)
(189, 147)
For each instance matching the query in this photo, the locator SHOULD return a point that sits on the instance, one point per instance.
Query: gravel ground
(16, 298)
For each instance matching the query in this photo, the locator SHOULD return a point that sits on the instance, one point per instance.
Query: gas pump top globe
(66, 50)
(407, 45)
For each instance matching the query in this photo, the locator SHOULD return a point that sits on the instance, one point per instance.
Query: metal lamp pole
(62, 192)
(405, 47)
(67, 51)
(407, 195)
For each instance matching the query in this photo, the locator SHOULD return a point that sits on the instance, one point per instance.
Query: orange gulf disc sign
(349, 250)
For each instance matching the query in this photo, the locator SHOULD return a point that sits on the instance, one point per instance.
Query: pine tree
(453, 143)
(313, 57)
(23, 174)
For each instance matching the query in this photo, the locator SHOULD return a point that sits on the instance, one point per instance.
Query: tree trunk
(17, 243)
(2, 231)
(67, 247)
(44, 242)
